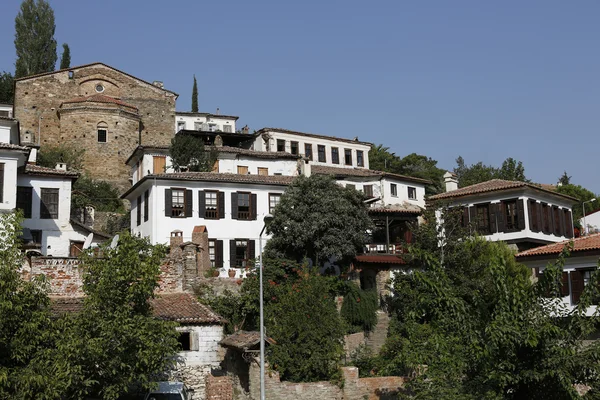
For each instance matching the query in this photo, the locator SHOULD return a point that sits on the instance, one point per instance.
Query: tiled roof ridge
(583, 243)
(39, 170)
(10, 146)
(99, 98)
(354, 171)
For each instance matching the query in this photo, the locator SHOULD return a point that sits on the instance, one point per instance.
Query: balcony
(382, 248)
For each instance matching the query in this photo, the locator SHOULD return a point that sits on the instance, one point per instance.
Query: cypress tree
(34, 38)
(6, 87)
(195, 96)
(65, 60)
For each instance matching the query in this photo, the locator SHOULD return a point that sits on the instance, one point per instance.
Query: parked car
(170, 391)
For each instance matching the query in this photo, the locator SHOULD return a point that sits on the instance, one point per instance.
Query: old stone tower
(96, 108)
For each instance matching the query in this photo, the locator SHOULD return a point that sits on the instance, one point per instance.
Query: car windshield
(164, 396)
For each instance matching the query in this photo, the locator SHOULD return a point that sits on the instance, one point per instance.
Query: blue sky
(485, 80)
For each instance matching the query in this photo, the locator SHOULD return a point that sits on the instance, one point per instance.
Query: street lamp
(585, 230)
(267, 219)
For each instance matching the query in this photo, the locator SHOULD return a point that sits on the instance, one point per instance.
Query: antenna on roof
(88, 241)
(115, 242)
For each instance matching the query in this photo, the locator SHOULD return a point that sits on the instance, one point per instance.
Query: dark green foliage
(564, 179)
(6, 88)
(101, 195)
(582, 194)
(49, 156)
(318, 219)
(359, 308)
(65, 59)
(188, 153)
(511, 170)
(34, 38)
(195, 96)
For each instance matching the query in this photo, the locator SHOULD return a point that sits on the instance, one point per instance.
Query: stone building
(103, 111)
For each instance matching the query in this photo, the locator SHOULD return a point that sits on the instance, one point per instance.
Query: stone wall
(219, 388)
(194, 377)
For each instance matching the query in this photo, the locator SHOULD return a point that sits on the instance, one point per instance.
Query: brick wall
(219, 388)
(64, 274)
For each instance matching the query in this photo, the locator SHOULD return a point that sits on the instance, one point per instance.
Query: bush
(359, 309)
(49, 156)
(101, 195)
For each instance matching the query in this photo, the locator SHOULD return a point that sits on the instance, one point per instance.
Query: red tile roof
(380, 259)
(244, 340)
(397, 208)
(584, 243)
(99, 98)
(494, 185)
(32, 169)
(9, 146)
(362, 172)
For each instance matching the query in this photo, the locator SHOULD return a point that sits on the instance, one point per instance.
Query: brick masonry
(219, 388)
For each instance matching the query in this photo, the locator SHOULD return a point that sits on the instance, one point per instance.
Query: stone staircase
(376, 338)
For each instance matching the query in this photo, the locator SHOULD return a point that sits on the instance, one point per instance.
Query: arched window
(102, 132)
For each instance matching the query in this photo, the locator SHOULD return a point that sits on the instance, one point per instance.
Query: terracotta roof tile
(9, 146)
(32, 169)
(397, 208)
(99, 98)
(584, 243)
(362, 172)
(380, 259)
(244, 340)
(494, 185)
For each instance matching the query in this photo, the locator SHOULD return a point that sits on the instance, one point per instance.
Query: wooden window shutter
(168, 203)
(530, 214)
(561, 218)
(159, 163)
(500, 217)
(194, 341)
(234, 205)
(218, 253)
(576, 285)
(232, 250)
(188, 203)
(521, 214)
(201, 204)
(569, 223)
(493, 224)
(251, 249)
(253, 205)
(564, 284)
(553, 221)
(221, 200)
(473, 216)
(538, 210)
(465, 221)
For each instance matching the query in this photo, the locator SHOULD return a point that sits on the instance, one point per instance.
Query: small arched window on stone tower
(102, 132)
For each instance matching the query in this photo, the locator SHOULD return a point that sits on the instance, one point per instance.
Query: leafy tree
(6, 87)
(511, 170)
(195, 96)
(318, 219)
(101, 195)
(565, 179)
(65, 59)
(582, 194)
(188, 153)
(359, 308)
(381, 159)
(34, 38)
(49, 156)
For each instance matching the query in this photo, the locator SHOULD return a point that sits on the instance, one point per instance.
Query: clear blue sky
(485, 80)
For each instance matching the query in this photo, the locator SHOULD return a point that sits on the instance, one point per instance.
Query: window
(242, 170)
(534, 224)
(159, 164)
(368, 190)
(321, 155)
(180, 125)
(178, 203)
(241, 253)
(263, 171)
(510, 212)
(49, 204)
(273, 201)
(280, 145)
(139, 211)
(227, 128)
(294, 148)
(197, 126)
(212, 252)
(146, 206)
(185, 341)
(412, 193)
(1, 182)
(348, 157)
(99, 88)
(211, 204)
(335, 155)
(359, 158)
(483, 218)
(308, 151)
(24, 200)
(244, 206)
(557, 221)
(394, 189)
(75, 248)
(102, 132)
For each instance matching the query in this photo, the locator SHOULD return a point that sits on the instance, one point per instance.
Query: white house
(583, 260)
(205, 122)
(519, 213)
(592, 222)
(6, 110)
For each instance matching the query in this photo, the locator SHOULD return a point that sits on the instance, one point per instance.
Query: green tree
(195, 96)
(582, 194)
(318, 219)
(188, 153)
(6, 88)
(511, 170)
(65, 59)
(564, 179)
(51, 155)
(34, 38)
(101, 195)
(380, 159)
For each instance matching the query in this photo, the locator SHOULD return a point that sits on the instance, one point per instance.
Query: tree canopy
(34, 38)
(511, 170)
(188, 153)
(582, 194)
(195, 96)
(6, 87)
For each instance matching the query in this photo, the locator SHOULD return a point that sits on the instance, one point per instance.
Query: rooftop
(32, 169)
(380, 259)
(495, 185)
(209, 115)
(396, 208)
(9, 146)
(363, 172)
(244, 340)
(318, 136)
(580, 244)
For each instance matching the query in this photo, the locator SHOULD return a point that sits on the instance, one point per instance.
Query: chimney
(200, 238)
(218, 111)
(245, 129)
(451, 181)
(176, 242)
(61, 167)
(32, 155)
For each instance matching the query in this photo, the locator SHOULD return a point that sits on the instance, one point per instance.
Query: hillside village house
(519, 213)
(205, 122)
(591, 222)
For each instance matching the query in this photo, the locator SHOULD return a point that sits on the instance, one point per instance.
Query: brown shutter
(251, 249)
(576, 285)
(538, 210)
(234, 205)
(232, 253)
(201, 204)
(221, 200)
(555, 224)
(493, 224)
(569, 223)
(168, 203)
(218, 253)
(159, 163)
(465, 219)
(546, 221)
(531, 214)
(253, 205)
(188, 203)
(500, 216)
(564, 284)
(521, 214)
(561, 217)
(473, 216)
